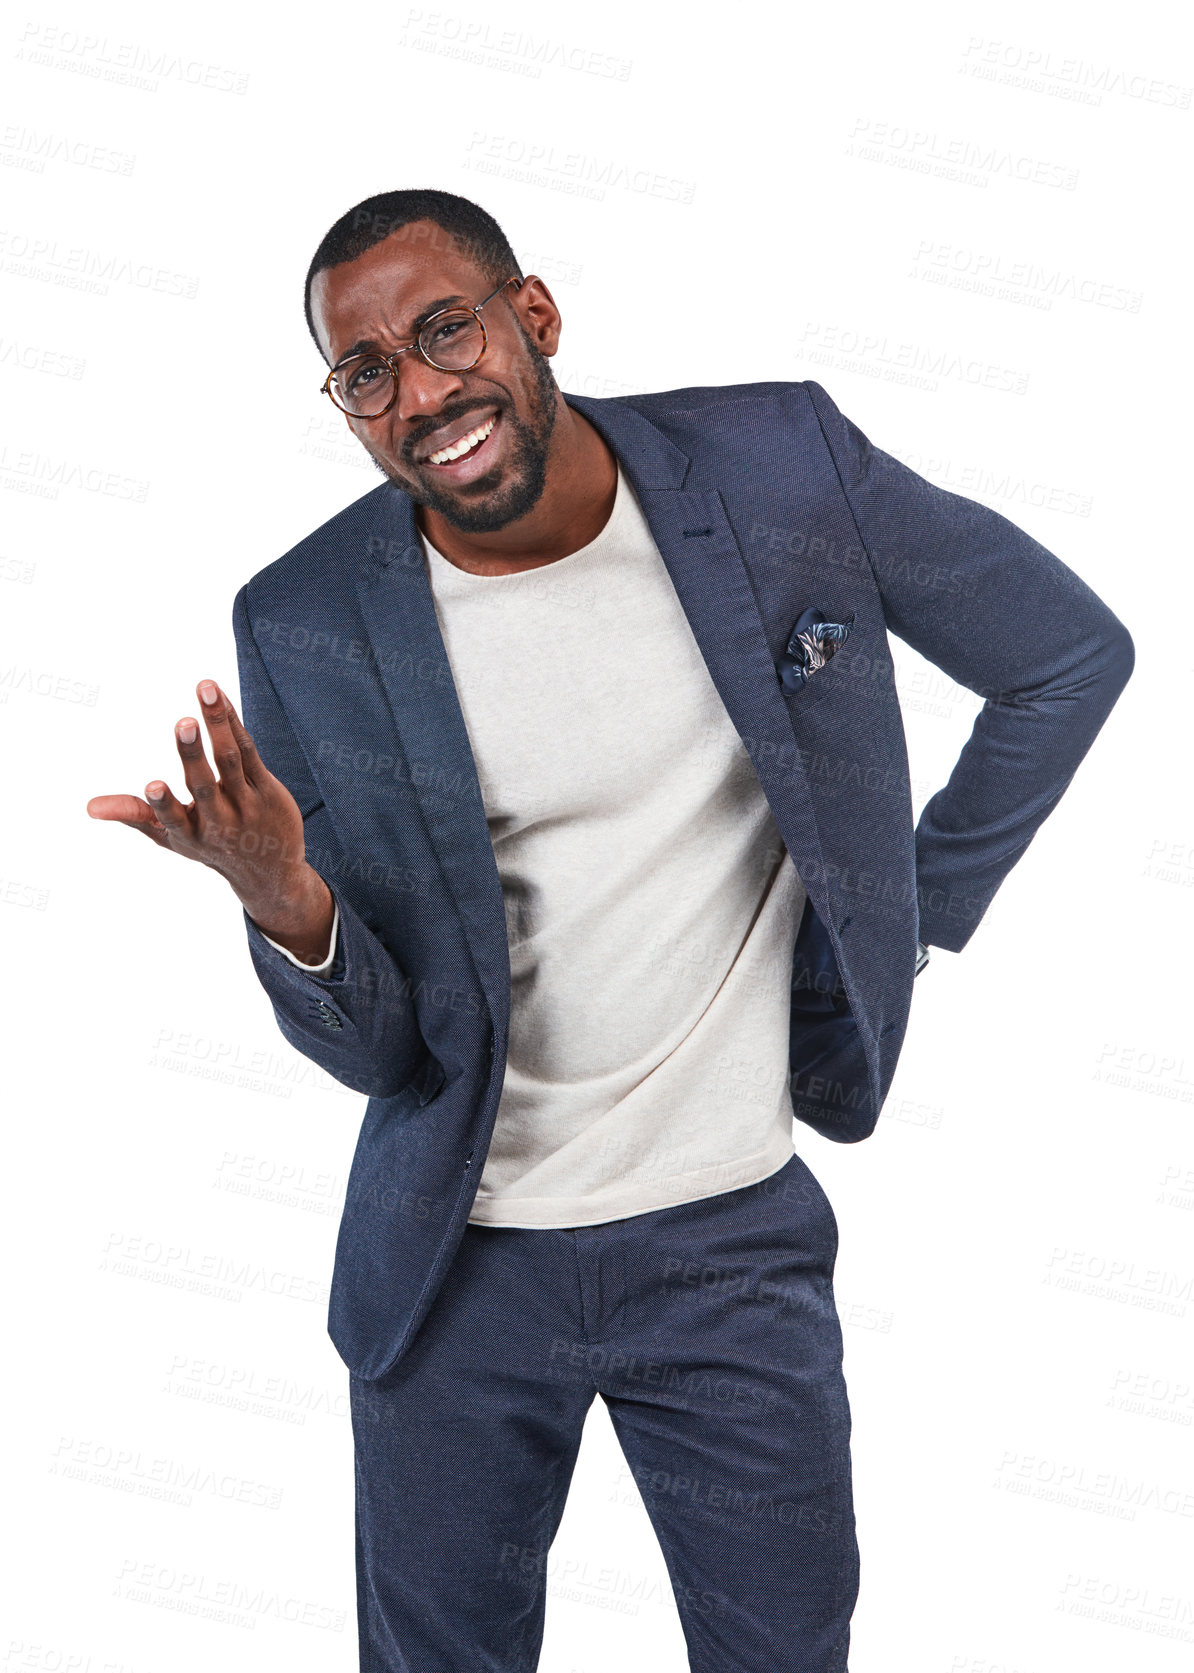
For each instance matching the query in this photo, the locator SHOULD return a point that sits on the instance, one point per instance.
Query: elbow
(1117, 654)
(387, 1073)
(372, 1074)
(370, 1083)
(1123, 655)
(1117, 658)
(383, 1083)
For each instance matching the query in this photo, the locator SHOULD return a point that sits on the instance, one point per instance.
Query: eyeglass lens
(453, 342)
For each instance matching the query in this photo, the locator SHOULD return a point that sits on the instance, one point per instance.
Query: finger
(224, 747)
(131, 811)
(125, 810)
(170, 813)
(200, 779)
(254, 768)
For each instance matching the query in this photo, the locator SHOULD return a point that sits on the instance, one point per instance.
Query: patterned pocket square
(813, 642)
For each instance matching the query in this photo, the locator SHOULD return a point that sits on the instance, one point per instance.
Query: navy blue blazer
(764, 501)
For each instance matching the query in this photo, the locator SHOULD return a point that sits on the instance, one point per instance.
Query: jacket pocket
(832, 677)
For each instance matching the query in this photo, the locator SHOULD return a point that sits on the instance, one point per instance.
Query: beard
(499, 497)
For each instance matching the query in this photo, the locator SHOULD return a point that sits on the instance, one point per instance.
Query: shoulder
(732, 409)
(331, 555)
(733, 401)
(755, 425)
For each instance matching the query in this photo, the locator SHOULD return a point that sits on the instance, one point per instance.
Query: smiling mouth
(465, 447)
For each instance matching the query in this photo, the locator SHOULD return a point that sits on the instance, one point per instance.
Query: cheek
(380, 445)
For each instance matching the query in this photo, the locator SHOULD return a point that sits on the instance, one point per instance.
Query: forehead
(376, 297)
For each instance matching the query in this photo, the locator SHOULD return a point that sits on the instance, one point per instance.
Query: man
(573, 826)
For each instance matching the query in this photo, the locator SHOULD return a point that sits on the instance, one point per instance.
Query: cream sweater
(651, 906)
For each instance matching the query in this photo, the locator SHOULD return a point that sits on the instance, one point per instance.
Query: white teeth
(463, 445)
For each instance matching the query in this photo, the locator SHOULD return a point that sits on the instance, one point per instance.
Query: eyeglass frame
(389, 359)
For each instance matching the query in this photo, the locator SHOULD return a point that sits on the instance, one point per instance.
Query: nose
(422, 389)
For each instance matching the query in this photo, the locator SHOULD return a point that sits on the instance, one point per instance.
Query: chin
(481, 519)
(494, 506)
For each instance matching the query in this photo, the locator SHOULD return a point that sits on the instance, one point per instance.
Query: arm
(1006, 619)
(350, 1014)
(353, 1014)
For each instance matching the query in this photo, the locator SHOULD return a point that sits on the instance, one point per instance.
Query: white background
(969, 224)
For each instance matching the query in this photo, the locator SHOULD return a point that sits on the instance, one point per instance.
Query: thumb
(131, 811)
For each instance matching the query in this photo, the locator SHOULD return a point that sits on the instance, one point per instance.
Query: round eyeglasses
(452, 340)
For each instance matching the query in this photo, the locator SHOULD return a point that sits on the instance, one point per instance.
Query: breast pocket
(845, 722)
(844, 669)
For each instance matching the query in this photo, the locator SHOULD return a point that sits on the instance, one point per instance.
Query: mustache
(448, 415)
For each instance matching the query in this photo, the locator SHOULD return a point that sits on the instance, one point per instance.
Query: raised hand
(243, 823)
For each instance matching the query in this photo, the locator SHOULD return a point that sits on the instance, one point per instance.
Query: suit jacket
(764, 499)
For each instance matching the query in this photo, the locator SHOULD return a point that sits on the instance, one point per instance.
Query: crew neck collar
(444, 569)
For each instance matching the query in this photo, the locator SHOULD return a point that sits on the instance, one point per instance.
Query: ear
(536, 308)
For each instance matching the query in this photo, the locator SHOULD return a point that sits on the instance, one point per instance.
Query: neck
(577, 499)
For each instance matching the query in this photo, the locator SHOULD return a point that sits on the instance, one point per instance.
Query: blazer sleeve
(324, 965)
(1008, 620)
(356, 1019)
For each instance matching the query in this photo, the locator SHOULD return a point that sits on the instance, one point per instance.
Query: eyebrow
(366, 345)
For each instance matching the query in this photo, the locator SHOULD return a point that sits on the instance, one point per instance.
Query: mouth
(467, 453)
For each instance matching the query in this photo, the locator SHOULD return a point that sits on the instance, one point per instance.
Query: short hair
(470, 227)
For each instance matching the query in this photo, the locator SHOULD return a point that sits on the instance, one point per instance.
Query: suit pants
(710, 1331)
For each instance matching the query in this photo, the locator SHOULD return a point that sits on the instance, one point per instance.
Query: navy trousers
(710, 1332)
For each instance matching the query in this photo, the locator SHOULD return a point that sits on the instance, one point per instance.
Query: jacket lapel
(705, 562)
(706, 566)
(405, 638)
